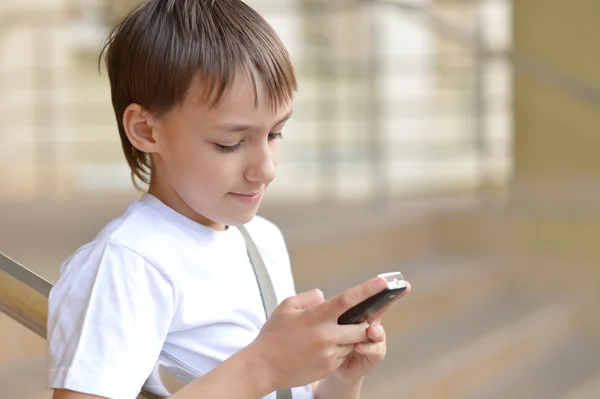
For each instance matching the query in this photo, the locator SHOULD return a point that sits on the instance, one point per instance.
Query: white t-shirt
(155, 280)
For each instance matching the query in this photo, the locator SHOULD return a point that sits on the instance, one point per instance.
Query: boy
(201, 91)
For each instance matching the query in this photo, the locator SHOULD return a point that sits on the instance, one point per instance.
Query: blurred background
(454, 140)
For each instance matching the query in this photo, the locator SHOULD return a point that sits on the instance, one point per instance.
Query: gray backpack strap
(265, 286)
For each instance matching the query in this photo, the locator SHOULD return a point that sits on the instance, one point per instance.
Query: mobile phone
(370, 306)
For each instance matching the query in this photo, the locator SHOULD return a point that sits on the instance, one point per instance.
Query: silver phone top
(395, 280)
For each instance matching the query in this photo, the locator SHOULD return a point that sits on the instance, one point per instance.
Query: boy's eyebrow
(235, 127)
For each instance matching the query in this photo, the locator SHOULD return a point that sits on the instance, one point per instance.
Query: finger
(379, 315)
(344, 350)
(352, 333)
(306, 299)
(374, 352)
(376, 333)
(333, 308)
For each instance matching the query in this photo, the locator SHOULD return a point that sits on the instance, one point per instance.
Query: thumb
(307, 299)
(374, 329)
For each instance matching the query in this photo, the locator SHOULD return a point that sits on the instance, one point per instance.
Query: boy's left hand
(367, 355)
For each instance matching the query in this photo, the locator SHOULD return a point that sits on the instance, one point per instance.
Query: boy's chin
(240, 219)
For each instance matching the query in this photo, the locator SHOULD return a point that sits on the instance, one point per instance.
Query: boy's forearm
(239, 377)
(332, 387)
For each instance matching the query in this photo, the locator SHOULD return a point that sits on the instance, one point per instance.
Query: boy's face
(214, 164)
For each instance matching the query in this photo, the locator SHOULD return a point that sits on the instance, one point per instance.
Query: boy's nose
(262, 168)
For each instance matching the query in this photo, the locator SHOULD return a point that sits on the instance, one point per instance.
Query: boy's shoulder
(138, 231)
(147, 225)
(160, 236)
(140, 226)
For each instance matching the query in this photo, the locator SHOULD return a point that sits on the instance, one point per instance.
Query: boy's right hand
(301, 342)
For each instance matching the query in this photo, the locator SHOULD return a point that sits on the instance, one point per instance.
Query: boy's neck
(170, 198)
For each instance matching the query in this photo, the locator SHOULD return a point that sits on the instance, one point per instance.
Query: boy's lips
(248, 198)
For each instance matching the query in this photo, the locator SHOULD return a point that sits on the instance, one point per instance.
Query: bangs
(237, 38)
(273, 68)
(155, 54)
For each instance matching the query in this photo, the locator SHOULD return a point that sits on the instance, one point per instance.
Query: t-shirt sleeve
(108, 317)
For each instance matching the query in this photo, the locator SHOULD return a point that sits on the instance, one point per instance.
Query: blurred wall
(387, 106)
(557, 145)
(557, 132)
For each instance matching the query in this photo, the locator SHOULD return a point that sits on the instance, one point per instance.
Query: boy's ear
(139, 126)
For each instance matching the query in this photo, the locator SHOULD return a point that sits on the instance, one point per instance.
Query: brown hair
(153, 55)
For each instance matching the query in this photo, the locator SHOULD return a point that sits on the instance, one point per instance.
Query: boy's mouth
(250, 198)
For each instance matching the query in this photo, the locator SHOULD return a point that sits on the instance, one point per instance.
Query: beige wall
(556, 133)
(557, 146)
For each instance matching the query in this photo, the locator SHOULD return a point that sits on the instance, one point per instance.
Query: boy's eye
(228, 148)
(275, 136)
(232, 148)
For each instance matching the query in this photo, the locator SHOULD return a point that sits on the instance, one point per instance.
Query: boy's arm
(66, 394)
(333, 387)
(239, 377)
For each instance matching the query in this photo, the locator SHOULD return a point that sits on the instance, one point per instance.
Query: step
(25, 379)
(351, 253)
(323, 241)
(449, 355)
(495, 311)
(439, 284)
(321, 238)
(566, 371)
(589, 389)
(438, 288)
(326, 240)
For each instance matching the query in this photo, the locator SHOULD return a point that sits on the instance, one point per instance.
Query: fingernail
(375, 330)
(380, 284)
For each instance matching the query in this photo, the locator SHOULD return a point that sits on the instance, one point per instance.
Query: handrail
(525, 64)
(24, 298)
